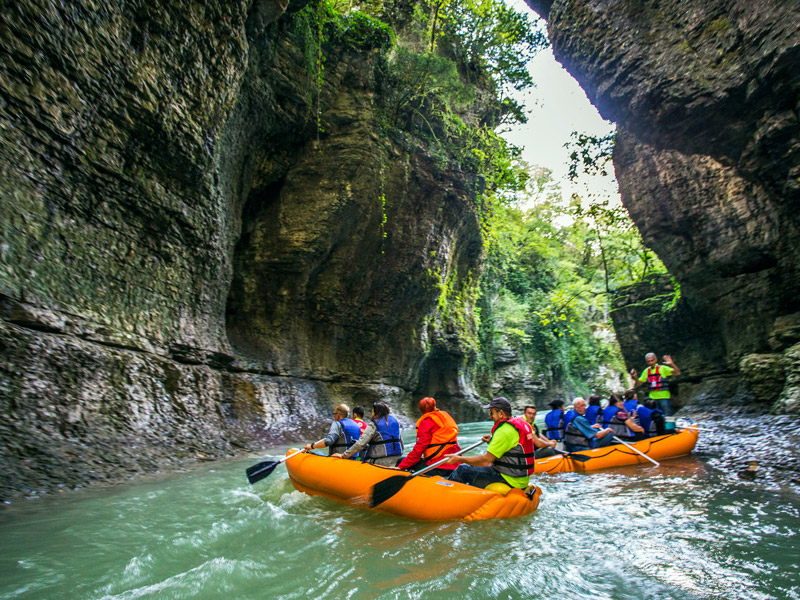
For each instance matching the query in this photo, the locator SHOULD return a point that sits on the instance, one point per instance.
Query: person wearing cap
(582, 435)
(437, 436)
(509, 457)
(544, 446)
(554, 421)
(342, 434)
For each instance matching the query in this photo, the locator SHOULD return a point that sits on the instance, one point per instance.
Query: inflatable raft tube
(658, 448)
(422, 499)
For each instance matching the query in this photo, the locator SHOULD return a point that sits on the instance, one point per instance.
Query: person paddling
(509, 458)
(437, 436)
(381, 439)
(342, 434)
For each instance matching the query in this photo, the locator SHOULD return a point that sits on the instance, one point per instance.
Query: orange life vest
(445, 435)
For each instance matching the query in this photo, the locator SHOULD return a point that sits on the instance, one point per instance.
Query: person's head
(614, 400)
(630, 394)
(358, 412)
(380, 411)
(579, 406)
(594, 400)
(499, 409)
(651, 359)
(650, 403)
(341, 412)
(427, 405)
(529, 413)
(557, 404)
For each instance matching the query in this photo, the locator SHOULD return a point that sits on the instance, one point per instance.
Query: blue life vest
(591, 413)
(568, 416)
(609, 412)
(631, 406)
(351, 434)
(554, 424)
(389, 443)
(645, 417)
(574, 440)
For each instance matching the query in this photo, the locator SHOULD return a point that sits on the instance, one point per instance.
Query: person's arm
(329, 440)
(541, 442)
(590, 432)
(634, 426)
(484, 460)
(669, 362)
(424, 437)
(361, 443)
(502, 441)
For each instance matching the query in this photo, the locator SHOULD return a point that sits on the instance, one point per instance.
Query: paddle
(383, 490)
(573, 455)
(637, 451)
(262, 469)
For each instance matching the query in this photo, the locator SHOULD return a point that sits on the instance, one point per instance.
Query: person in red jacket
(437, 436)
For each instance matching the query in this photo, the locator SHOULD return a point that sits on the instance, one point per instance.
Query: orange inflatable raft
(422, 498)
(658, 448)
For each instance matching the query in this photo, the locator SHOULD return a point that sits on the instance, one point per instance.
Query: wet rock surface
(749, 446)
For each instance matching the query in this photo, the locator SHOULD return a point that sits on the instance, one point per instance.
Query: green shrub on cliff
(544, 291)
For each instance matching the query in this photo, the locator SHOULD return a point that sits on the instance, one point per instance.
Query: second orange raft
(658, 448)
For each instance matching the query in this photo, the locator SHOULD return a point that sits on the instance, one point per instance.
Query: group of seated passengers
(589, 426)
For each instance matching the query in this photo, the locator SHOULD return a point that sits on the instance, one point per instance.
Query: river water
(690, 529)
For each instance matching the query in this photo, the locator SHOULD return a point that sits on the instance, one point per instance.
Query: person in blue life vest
(621, 423)
(571, 413)
(657, 379)
(508, 459)
(631, 400)
(610, 410)
(582, 435)
(380, 441)
(593, 409)
(342, 434)
(650, 418)
(544, 446)
(554, 421)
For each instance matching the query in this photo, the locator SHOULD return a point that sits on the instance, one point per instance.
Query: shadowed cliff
(208, 240)
(705, 96)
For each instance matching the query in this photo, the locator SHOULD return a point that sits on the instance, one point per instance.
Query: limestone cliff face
(705, 95)
(205, 244)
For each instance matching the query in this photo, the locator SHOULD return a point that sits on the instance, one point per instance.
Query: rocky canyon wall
(207, 241)
(706, 97)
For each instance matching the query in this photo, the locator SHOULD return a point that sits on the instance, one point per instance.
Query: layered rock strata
(208, 241)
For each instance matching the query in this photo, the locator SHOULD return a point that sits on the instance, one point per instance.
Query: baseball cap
(501, 403)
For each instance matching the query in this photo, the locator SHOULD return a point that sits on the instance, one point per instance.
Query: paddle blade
(574, 456)
(579, 457)
(383, 490)
(261, 470)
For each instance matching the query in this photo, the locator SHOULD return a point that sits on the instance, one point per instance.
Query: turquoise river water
(682, 531)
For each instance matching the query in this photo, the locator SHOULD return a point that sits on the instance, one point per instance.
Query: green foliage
(543, 291)
(489, 39)
(624, 259)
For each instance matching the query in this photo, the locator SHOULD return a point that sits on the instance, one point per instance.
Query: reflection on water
(683, 531)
